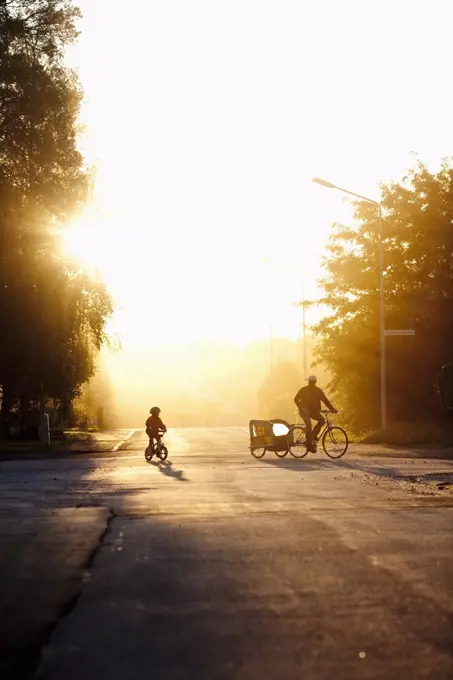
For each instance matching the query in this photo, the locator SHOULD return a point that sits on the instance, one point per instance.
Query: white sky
(209, 120)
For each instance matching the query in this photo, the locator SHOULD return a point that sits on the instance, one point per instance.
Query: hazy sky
(209, 119)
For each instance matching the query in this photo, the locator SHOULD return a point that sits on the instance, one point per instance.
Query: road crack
(39, 663)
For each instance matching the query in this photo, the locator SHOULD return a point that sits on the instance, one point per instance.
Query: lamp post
(329, 185)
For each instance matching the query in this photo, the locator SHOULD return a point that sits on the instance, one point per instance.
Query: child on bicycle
(154, 426)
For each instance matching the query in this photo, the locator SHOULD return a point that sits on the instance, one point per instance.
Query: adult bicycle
(334, 439)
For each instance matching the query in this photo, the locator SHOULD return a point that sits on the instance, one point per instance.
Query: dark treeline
(52, 316)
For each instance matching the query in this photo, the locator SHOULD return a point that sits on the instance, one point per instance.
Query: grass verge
(411, 434)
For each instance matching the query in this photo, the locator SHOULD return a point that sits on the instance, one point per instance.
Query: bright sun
(82, 243)
(176, 292)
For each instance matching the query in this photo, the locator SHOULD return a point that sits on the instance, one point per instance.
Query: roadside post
(44, 430)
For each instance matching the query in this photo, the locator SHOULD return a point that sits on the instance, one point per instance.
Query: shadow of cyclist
(310, 464)
(167, 469)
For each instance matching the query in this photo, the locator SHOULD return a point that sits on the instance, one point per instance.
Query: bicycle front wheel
(297, 441)
(335, 442)
(163, 453)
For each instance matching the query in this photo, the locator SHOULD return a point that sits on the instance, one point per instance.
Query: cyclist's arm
(327, 402)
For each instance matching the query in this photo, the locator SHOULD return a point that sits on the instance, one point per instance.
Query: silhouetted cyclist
(154, 426)
(308, 401)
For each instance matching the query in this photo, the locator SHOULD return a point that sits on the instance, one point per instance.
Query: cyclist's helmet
(155, 411)
(312, 379)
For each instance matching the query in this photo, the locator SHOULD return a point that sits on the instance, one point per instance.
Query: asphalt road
(216, 565)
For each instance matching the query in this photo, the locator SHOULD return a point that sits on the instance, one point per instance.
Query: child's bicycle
(334, 440)
(157, 449)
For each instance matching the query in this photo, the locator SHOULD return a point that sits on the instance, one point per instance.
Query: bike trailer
(262, 435)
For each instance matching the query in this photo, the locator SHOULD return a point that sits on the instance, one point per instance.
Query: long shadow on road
(217, 598)
(167, 469)
(210, 597)
(309, 465)
(304, 465)
(53, 515)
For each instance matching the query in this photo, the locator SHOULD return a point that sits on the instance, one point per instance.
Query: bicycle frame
(330, 433)
(158, 442)
(327, 425)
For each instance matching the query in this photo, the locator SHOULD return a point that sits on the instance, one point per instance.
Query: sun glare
(206, 158)
(82, 242)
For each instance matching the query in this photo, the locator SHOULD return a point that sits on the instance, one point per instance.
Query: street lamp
(329, 185)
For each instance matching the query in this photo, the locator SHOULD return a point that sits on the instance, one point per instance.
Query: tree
(52, 317)
(418, 246)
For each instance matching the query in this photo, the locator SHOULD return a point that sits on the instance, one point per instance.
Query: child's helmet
(155, 411)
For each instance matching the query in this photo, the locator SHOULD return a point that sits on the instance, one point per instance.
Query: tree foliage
(52, 317)
(418, 247)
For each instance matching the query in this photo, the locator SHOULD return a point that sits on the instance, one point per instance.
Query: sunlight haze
(207, 122)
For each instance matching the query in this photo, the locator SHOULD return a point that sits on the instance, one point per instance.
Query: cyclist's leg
(149, 432)
(307, 420)
(320, 422)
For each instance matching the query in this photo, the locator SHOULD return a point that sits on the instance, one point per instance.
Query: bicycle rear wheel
(297, 441)
(335, 442)
(258, 453)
